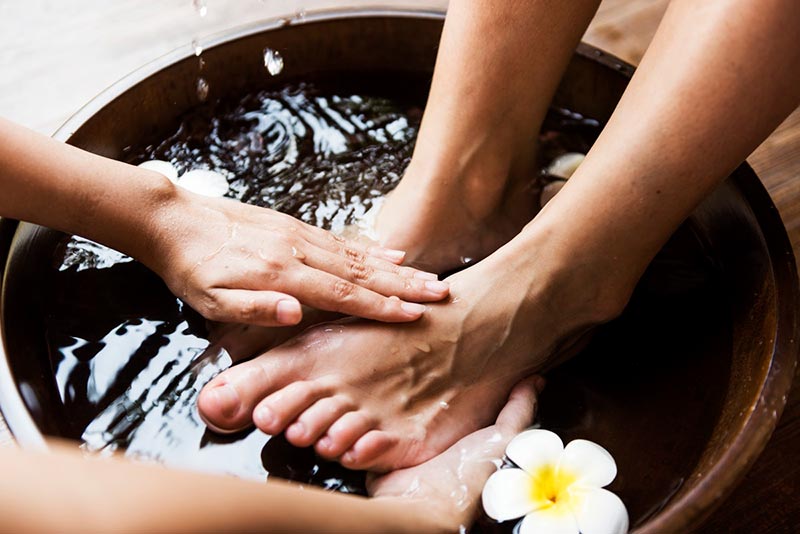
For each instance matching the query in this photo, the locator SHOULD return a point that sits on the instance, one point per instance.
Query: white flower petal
(555, 520)
(566, 164)
(161, 167)
(598, 511)
(533, 449)
(589, 463)
(204, 182)
(507, 494)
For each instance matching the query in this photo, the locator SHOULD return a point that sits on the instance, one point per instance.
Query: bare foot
(445, 223)
(447, 488)
(383, 397)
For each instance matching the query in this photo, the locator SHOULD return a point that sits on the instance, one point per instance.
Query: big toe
(226, 403)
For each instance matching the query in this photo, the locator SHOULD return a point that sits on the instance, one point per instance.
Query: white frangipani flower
(200, 181)
(557, 489)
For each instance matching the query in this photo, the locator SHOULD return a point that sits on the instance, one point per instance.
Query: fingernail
(412, 308)
(325, 442)
(288, 312)
(348, 457)
(422, 275)
(539, 383)
(227, 399)
(263, 417)
(391, 254)
(437, 286)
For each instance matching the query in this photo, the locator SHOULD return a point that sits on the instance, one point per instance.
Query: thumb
(521, 406)
(264, 308)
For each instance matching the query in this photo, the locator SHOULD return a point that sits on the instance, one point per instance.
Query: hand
(447, 488)
(234, 262)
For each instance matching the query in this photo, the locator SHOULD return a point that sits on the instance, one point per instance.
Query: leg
(372, 394)
(471, 173)
(412, 390)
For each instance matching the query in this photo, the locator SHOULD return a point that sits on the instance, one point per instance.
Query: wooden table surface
(55, 56)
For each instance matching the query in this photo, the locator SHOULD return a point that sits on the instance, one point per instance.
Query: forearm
(59, 186)
(91, 495)
(717, 79)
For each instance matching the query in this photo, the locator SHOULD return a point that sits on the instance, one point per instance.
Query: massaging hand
(447, 488)
(238, 263)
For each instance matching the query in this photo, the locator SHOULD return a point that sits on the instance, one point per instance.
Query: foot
(382, 397)
(466, 466)
(447, 222)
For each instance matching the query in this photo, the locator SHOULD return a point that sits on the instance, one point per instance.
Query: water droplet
(443, 405)
(202, 89)
(273, 61)
(197, 47)
(297, 254)
(300, 14)
(201, 7)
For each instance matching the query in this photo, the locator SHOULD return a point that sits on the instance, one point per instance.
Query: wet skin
(382, 397)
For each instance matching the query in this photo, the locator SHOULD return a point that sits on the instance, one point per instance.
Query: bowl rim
(685, 512)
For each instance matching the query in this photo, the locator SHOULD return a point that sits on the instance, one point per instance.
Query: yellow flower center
(550, 487)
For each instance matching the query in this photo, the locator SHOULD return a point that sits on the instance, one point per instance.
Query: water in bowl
(129, 358)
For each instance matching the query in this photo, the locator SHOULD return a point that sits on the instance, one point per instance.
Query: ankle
(583, 289)
(478, 183)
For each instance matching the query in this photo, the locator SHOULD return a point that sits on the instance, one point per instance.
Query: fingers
(518, 412)
(329, 292)
(265, 308)
(381, 276)
(339, 245)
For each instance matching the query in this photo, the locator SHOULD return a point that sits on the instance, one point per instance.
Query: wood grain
(55, 56)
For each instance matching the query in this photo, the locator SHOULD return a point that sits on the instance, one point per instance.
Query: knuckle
(405, 272)
(360, 272)
(343, 290)
(248, 310)
(354, 255)
(209, 305)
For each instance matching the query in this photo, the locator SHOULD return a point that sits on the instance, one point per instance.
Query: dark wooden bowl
(685, 389)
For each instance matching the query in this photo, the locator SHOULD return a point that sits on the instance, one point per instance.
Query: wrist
(132, 214)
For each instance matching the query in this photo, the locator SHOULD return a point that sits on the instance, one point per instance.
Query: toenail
(298, 428)
(227, 399)
(264, 417)
(437, 286)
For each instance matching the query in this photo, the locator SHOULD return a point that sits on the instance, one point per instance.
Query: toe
(343, 433)
(226, 403)
(220, 408)
(274, 413)
(315, 421)
(371, 451)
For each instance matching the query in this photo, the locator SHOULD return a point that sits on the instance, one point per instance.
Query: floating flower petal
(593, 465)
(534, 449)
(164, 168)
(599, 511)
(506, 495)
(204, 182)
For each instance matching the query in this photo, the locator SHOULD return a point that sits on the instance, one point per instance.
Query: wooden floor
(55, 56)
